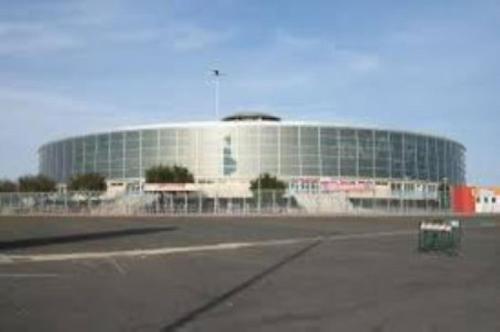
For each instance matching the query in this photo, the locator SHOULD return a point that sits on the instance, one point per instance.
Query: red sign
(340, 185)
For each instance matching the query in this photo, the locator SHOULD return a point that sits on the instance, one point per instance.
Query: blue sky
(69, 67)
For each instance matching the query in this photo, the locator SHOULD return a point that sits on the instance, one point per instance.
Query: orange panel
(463, 200)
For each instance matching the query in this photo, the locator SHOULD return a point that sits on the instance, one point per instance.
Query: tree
(169, 174)
(444, 194)
(266, 186)
(36, 183)
(88, 182)
(7, 186)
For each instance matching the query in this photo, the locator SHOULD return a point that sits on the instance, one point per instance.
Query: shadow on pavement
(46, 241)
(195, 313)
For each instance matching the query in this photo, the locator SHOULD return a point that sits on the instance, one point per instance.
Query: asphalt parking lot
(227, 274)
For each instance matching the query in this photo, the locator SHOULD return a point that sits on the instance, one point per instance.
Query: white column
(96, 150)
(259, 152)
(279, 150)
(197, 152)
(56, 159)
(320, 156)
(236, 150)
(73, 156)
(177, 146)
(84, 157)
(109, 156)
(221, 152)
(124, 151)
(259, 148)
(63, 175)
(357, 152)
(436, 156)
(416, 139)
(158, 143)
(339, 152)
(427, 168)
(374, 146)
(389, 147)
(140, 155)
(299, 145)
(403, 154)
(445, 159)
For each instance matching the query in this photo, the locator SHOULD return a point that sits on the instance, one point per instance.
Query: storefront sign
(338, 185)
(331, 185)
(169, 187)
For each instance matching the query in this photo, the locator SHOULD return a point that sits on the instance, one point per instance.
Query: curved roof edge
(201, 124)
(251, 116)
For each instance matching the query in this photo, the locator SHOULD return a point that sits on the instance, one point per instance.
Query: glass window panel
(79, 156)
(329, 151)
(187, 148)
(102, 161)
(422, 158)
(309, 136)
(396, 143)
(410, 155)
(132, 157)
(168, 146)
(90, 154)
(382, 155)
(365, 153)
(68, 159)
(289, 151)
(433, 159)
(348, 153)
(117, 157)
(441, 159)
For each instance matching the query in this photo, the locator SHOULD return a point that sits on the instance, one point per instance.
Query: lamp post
(216, 73)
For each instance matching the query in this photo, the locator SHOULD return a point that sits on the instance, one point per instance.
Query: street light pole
(216, 98)
(216, 74)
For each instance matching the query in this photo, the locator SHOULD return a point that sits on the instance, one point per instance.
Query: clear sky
(69, 67)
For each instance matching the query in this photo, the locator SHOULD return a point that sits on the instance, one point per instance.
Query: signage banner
(169, 187)
(331, 185)
(339, 185)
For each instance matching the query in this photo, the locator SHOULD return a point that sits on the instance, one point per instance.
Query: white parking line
(28, 275)
(117, 266)
(11, 259)
(5, 259)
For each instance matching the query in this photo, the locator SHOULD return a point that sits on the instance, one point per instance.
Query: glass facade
(244, 150)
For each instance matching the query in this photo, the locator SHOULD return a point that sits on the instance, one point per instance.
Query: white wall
(487, 201)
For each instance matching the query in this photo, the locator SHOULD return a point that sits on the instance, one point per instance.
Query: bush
(7, 186)
(87, 182)
(168, 174)
(267, 185)
(36, 183)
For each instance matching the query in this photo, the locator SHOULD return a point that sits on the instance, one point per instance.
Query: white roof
(226, 124)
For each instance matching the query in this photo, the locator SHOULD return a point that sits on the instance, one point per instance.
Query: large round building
(244, 145)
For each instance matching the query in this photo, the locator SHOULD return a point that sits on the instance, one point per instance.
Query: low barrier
(440, 236)
(186, 203)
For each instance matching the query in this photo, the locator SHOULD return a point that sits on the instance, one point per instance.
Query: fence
(184, 203)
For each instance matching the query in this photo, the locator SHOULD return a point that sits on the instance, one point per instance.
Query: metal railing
(184, 203)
